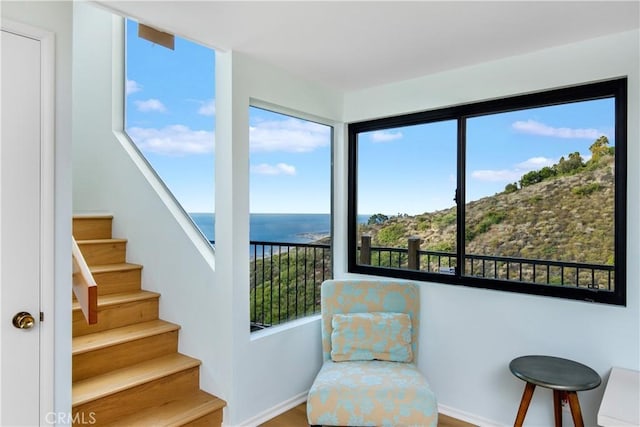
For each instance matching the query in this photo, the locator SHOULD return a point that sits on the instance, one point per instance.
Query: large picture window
(523, 194)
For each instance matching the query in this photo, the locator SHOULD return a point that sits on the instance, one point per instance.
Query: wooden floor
(297, 417)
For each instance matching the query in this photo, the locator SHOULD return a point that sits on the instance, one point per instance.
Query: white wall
(469, 336)
(56, 17)
(271, 369)
(111, 176)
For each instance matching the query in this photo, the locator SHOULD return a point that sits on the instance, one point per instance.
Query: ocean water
(286, 228)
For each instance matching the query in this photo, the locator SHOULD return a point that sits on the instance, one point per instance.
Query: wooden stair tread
(107, 268)
(126, 368)
(177, 412)
(92, 216)
(120, 298)
(100, 241)
(111, 337)
(100, 386)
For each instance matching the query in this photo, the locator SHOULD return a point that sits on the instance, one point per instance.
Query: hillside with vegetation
(562, 212)
(285, 285)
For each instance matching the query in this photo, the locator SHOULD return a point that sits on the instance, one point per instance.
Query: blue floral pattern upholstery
(371, 336)
(372, 392)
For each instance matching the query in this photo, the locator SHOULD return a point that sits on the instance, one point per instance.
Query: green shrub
(535, 199)
(390, 234)
(490, 218)
(585, 190)
(442, 247)
(445, 219)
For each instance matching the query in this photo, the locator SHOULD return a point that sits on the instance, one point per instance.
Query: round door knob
(23, 320)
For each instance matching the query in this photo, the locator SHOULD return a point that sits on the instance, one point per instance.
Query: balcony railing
(285, 281)
(285, 278)
(543, 272)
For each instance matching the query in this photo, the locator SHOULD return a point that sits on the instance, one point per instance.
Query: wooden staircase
(126, 368)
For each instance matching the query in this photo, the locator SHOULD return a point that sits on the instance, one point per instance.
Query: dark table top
(555, 373)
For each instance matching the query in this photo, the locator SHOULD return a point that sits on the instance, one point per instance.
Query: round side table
(565, 377)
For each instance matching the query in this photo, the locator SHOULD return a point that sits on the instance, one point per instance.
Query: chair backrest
(366, 296)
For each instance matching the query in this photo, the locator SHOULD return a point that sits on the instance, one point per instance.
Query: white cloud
(279, 169)
(174, 140)
(535, 163)
(208, 108)
(150, 105)
(385, 136)
(133, 87)
(504, 175)
(290, 135)
(537, 128)
(514, 174)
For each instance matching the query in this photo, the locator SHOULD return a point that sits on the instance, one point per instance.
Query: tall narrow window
(170, 116)
(290, 222)
(523, 194)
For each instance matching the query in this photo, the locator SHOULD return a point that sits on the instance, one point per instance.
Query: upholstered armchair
(369, 375)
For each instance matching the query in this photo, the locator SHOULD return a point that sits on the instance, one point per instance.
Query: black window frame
(615, 88)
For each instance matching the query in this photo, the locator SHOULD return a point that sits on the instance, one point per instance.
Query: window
(170, 116)
(523, 194)
(290, 221)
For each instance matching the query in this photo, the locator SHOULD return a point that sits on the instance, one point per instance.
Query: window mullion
(460, 197)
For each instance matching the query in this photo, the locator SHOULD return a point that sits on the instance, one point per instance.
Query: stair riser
(130, 401)
(114, 282)
(211, 420)
(107, 359)
(116, 316)
(104, 252)
(92, 228)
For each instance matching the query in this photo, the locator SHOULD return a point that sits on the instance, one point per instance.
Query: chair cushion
(371, 393)
(369, 336)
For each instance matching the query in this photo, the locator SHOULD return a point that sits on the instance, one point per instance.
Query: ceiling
(358, 44)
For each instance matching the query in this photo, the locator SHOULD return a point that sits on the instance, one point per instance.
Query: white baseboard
(465, 416)
(270, 413)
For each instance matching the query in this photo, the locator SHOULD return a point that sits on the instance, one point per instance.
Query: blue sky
(413, 169)
(171, 117)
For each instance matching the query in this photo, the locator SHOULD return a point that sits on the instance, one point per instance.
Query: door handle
(23, 320)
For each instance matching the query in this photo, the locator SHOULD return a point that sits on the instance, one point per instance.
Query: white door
(21, 228)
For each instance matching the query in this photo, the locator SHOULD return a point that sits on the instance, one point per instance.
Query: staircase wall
(258, 375)
(110, 176)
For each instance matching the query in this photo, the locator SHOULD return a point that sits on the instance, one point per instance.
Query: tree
(599, 148)
(530, 178)
(571, 165)
(511, 188)
(377, 219)
(547, 172)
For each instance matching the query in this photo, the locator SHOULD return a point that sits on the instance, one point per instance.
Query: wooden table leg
(524, 404)
(576, 413)
(557, 407)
